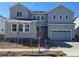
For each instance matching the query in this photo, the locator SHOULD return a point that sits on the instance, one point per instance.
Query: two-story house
(56, 24)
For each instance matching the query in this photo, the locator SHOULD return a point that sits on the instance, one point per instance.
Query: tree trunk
(38, 45)
(31, 44)
(45, 42)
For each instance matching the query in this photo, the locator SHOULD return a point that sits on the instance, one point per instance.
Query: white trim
(29, 27)
(60, 24)
(21, 21)
(16, 27)
(42, 25)
(23, 27)
(67, 16)
(59, 17)
(38, 13)
(41, 18)
(55, 17)
(71, 35)
(60, 29)
(33, 16)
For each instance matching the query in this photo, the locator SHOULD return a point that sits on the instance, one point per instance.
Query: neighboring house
(56, 24)
(2, 27)
(76, 26)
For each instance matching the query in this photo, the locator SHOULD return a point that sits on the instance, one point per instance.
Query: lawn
(14, 46)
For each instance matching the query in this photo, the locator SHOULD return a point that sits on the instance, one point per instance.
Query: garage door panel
(61, 35)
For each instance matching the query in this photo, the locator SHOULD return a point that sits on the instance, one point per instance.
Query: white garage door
(61, 35)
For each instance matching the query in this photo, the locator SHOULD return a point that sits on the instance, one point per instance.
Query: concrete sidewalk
(29, 49)
(67, 51)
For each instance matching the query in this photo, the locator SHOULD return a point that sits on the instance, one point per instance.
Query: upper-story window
(38, 17)
(66, 17)
(34, 17)
(60, 17)
(54, 16)
(42, 17)
(19, 14)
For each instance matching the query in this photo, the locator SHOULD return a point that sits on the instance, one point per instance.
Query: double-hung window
(42, 17)
(34, 17)
(38, 17)
(60, 17)
(26, 27)
(19, 14)
(54, 16)
(20, 29)
(67, 17)
(14, 27)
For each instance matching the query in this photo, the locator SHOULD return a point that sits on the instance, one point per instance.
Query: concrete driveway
(70, 48)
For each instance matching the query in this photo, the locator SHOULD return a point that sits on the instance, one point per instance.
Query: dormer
(19, 11)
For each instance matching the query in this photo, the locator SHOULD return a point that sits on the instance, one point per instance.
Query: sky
(38, 6)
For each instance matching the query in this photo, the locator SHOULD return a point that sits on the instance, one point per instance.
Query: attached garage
(61, 35)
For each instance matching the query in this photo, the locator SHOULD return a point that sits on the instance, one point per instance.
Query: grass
(13, 45)
(4, 45)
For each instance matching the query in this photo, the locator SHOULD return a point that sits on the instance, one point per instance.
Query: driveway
(70, 48)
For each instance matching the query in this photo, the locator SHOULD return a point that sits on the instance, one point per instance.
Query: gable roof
(2, 17)
(61, 6)
(19, 4)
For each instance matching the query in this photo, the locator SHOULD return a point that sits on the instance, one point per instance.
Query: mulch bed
(26, 53)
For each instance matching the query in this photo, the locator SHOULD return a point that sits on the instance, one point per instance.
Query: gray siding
(19, 8)
(40, 22)
(31, 34)
(60, 11)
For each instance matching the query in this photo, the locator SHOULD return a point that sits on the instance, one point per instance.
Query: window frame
(20, 27)
(53, 16)
(41, 17)
(12, 27)
(19, 14)
(61, 17)
(34, 16)
(67, 16)
(24, 27)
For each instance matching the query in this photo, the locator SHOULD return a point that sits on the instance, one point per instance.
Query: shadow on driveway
(60, 44)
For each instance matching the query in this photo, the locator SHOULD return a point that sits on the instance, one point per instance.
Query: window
(20, 27)
(60, 17)
(67, 17)
(14, 27)
(38, 17)
(42, 17)
(34, 17)
(19, 14)
(54, 17)
(26, 27)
